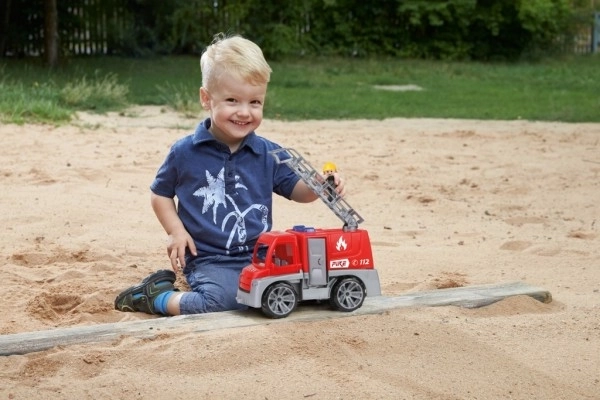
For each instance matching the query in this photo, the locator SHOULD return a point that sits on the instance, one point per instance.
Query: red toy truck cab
(309, 264)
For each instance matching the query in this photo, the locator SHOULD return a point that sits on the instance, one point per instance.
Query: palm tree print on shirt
(214, 195)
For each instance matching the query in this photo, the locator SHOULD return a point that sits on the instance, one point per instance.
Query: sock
(161, 301)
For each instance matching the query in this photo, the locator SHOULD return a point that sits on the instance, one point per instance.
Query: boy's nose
(243, 109)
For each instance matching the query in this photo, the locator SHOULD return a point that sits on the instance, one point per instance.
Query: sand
(446, 202)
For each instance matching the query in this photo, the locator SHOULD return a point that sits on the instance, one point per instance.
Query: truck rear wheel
(279, 300)
(347, 295)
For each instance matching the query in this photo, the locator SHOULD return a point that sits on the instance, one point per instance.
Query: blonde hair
(237, 56)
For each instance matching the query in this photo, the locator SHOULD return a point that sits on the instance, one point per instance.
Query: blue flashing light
(303, 228)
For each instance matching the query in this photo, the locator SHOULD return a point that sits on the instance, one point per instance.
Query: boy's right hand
(176, 246)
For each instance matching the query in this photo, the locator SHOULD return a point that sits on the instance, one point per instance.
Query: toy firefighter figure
(329, 169)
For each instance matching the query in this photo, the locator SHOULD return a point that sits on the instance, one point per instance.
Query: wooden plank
(468, 296)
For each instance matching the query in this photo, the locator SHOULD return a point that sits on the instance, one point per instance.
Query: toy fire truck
(305, 263)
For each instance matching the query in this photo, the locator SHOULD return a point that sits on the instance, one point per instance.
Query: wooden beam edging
(467, 296)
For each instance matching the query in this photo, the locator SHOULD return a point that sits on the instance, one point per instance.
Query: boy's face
(236, 108)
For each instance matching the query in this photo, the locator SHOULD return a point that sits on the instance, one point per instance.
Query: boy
(223, 178)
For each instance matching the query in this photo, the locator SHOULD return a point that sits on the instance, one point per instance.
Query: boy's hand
(339, 184)
(176, 246)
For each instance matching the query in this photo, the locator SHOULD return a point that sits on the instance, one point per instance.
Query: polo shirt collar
(202, 135)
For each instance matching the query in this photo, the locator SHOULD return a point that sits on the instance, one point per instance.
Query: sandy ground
(446, 202)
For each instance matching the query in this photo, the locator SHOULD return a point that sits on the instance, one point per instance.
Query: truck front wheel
(279, 300)
(348, 294)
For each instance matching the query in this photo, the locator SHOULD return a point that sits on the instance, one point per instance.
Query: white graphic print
(214, 195)
(341, 244)
(240, 223)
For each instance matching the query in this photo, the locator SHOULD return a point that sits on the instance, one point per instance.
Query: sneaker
(141, 297)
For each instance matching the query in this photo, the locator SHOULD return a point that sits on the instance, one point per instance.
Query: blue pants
(214, 281)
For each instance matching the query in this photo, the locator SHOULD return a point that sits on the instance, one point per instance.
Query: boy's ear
(204, 98)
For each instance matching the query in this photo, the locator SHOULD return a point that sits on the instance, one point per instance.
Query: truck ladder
(323, 189)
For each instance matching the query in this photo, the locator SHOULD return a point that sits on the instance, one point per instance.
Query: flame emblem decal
(341, 244)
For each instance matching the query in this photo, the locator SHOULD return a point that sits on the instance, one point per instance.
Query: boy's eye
(230, 100)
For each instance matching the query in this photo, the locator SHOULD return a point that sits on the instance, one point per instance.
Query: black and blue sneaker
(141, 297)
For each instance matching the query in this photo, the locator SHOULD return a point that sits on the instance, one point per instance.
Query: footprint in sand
(39, 366)
(51, 306)
(516, 245)
(520, 221)
(38, 177)
(585, 235)
(525, 246)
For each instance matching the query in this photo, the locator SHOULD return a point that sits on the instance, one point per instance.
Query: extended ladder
(323, 189)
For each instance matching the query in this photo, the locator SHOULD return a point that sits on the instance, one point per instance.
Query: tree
(4, 21)
(51, 46)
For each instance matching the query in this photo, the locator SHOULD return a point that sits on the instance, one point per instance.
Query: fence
(86, 27)
(596, 33)
(99, 27)
(587, 37)
(97, 23)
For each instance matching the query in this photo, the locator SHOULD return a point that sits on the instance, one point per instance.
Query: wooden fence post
(596, 33)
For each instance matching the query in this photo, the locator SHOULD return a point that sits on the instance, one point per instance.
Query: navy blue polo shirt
(224, 200)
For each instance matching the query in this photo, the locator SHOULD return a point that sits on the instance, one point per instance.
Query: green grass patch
(180, 98)
(32, 94)
(554, 90)
(20, 103)
(101, 93)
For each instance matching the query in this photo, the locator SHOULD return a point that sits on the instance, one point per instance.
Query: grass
(556, 90)
(553, 91)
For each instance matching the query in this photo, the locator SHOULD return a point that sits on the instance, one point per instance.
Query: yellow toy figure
(329, 169)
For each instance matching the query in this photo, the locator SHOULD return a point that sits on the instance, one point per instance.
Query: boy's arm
(179, 238)
(304, 194)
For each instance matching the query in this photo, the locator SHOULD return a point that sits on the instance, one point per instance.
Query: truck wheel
(279, 300)
(347, 295)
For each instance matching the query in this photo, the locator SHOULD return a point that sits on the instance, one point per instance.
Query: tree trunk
(5, 13)
(51, 33)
